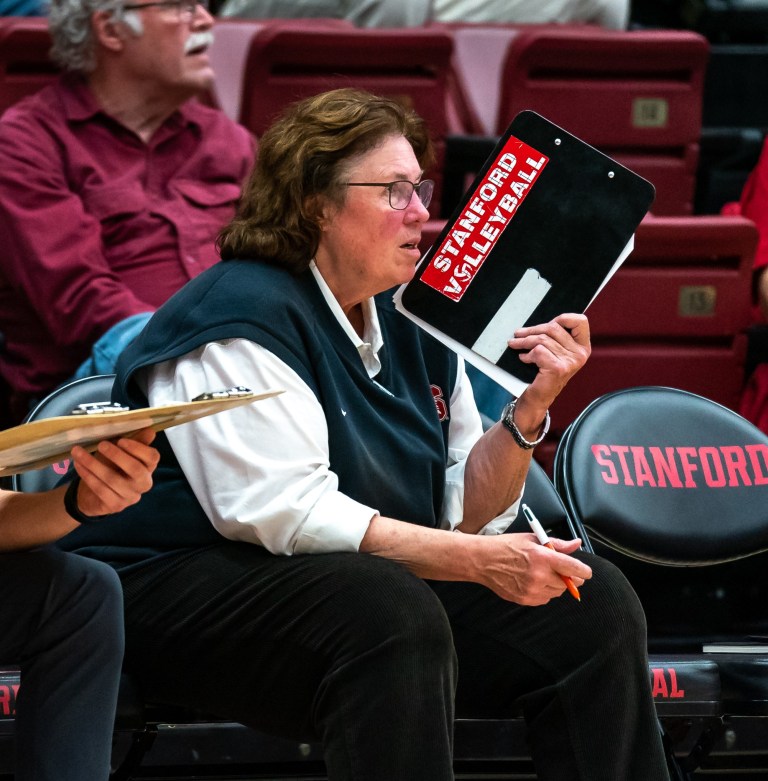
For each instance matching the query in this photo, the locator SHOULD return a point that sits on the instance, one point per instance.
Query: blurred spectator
(613, 14)
(754, 206)
(114, 182)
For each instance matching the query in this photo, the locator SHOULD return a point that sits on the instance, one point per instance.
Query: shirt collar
(80, 104)
(369, 346)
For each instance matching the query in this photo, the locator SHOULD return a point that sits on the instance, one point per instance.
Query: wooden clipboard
(46, 441)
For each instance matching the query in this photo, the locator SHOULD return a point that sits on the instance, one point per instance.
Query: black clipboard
(570, 213)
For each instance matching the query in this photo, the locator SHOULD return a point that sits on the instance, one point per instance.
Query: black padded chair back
(61, 402)
(674, 489)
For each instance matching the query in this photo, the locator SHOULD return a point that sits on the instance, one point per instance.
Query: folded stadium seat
(673, 488)
(291, 60)
(634, 95)
(676, 313)
(24, 63)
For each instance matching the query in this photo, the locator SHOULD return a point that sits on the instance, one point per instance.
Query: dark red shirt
(96, 225)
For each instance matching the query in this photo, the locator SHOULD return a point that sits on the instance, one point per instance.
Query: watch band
(508, 421)
(70, 504)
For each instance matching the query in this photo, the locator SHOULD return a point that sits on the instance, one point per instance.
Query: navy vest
(388, 437)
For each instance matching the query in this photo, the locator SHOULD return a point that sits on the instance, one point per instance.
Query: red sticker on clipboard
(487, 213)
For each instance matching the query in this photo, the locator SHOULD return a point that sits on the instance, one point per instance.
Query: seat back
(634, 95)
(287, 62)
(25, 66)
(61, 402)
(674, 489)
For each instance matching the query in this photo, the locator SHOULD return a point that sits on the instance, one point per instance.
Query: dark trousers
(355, 651)
(61, 624)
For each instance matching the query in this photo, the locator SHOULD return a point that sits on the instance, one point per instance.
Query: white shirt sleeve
(260, 471)
(464, 429)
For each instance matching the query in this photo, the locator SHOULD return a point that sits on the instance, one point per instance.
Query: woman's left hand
(559, 348)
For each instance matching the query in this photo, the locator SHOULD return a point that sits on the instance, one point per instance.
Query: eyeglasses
(401, 191)
(185, 8)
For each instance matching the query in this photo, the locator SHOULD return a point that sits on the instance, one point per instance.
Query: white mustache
(198, 40)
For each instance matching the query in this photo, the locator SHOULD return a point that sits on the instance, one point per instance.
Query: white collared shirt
(261, 471)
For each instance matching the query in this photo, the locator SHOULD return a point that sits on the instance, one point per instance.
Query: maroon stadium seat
(636, 96)
(289, 61)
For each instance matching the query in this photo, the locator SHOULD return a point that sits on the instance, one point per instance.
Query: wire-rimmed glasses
(401, 191)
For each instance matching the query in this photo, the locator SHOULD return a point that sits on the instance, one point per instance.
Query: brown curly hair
(303, 158)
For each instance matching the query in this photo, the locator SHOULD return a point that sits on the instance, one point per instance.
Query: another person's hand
(519, 569)
(116, 475)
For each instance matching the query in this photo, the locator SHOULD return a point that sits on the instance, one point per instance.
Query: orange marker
(541, 536)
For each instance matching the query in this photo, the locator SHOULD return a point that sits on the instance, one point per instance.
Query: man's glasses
(401, 191)
(186, 9)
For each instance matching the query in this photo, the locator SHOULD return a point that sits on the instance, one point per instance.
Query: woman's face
(366, 246)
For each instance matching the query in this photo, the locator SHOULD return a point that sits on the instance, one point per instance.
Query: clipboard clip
(239, 391)
(99, 408)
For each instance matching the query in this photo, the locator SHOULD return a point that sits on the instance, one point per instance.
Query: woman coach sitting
(308, 552)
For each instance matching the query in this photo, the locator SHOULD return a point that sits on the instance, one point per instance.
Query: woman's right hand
(519, 569)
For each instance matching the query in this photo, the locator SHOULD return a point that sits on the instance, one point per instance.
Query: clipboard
(42, 442)
(542, 228)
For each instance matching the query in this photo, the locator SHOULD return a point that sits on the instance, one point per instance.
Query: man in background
(114, 182)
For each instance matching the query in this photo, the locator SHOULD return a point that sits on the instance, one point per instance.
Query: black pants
(355, 651)
(61, 624)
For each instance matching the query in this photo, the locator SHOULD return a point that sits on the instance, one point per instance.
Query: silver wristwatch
(508, 421)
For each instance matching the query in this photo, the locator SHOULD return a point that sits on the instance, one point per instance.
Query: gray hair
(69, 21)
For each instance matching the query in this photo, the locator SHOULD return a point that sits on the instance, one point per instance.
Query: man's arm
(110, 480)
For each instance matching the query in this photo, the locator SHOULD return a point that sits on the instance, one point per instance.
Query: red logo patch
(440, 405)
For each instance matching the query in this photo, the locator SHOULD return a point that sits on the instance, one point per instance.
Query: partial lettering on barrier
(8, 695)
(664, 682)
